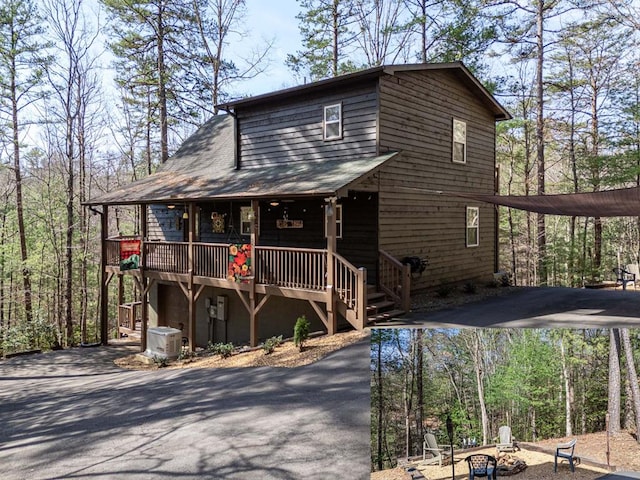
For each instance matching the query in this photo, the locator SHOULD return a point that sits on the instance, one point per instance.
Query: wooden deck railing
(170, 257)
(291, 267)
(113, 252)
(298, 268)
(350, 285)
(210, 260)
(395, 280)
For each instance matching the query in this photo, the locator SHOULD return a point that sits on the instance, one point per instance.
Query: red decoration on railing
(129, 254)
(240, 263)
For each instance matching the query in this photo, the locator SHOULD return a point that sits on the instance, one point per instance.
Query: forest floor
(591, 449)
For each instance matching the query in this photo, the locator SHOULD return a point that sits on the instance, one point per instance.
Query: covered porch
(254, 273)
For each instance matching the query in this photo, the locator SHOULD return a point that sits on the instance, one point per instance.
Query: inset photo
(525, 403)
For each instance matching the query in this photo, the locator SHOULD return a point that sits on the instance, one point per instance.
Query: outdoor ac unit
(163, 342)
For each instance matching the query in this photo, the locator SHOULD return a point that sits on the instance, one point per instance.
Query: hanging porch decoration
(129, 254)
(240, 263)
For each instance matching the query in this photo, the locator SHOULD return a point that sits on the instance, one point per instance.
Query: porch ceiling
(203, 169)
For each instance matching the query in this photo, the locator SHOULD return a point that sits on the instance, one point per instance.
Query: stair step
(377, 306)
(373, 297)
(386, 316)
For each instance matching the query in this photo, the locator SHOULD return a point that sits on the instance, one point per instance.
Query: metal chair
(481, 465)
(623, 277)
(565, 450)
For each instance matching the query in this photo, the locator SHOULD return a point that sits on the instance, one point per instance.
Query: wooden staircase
(379, 307)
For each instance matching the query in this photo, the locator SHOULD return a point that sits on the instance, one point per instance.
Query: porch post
(104, 289)
(330, 214)
(191, 260)
(253, 315)
(144, 306)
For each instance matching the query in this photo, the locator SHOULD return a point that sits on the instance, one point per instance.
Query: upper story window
(459, 141)
(473, 226)
(333, 122)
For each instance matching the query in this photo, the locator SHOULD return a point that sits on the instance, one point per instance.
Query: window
(459, 141)
(246, 217)
(338, 213)
(333, 122)
(473, 220)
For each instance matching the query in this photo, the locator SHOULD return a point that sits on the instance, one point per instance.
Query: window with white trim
(332, 124)
(473, 226)
(459, 141)
(338, 214)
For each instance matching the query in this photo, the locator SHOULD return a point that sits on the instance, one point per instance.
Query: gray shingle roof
(204, 169)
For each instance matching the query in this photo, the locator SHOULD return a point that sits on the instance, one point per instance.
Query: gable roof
(203, 169)
(457, 68)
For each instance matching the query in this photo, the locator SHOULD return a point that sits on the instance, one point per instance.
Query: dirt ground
(591, 448)
(286, 355)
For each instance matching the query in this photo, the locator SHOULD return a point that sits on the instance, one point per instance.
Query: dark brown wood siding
(416, 117)
(359, 242)
(291, 131)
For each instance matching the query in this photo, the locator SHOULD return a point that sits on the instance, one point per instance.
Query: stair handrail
(395, 279)
(350, 285)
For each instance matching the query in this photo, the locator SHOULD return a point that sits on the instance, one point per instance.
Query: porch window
(338, 214)
(333, 122)
(459, 141)
(246, 216)
(473, 222)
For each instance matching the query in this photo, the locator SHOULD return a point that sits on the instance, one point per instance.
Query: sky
(271, 20)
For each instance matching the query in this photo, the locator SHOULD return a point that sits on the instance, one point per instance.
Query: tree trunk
(568, 394)
(542, 235)
(614, 382)
(26, 274)
(633, 377)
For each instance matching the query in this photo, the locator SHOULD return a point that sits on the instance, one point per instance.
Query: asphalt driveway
(539, 308)
(73, 414)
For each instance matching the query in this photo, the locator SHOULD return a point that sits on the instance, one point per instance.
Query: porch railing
(291, 267)
(170, 257)
(350, 285)
(210, 260)
(395, 280)
(113, 252)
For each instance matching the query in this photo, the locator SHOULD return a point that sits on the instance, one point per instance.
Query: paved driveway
(540, 307)
(73, 414)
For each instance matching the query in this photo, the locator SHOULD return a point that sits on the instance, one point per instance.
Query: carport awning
(624, 202)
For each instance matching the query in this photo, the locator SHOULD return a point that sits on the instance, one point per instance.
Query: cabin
(319, 200)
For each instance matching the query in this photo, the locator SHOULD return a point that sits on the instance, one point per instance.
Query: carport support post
(104, 289)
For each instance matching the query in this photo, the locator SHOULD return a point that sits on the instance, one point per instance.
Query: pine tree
(22, 65)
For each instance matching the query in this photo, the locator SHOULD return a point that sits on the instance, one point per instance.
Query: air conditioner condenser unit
(163, 342)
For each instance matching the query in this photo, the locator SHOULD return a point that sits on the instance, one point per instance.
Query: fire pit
(509, 464)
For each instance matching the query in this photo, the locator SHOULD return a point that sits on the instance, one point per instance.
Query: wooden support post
(330, 215)
(191, 263)
(253, 310)
(332, 318)
(406, 287)
(362, 298)
(104, 289)
(144, 304)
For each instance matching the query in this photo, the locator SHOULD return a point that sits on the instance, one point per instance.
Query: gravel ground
(539, 467)
(286, 355)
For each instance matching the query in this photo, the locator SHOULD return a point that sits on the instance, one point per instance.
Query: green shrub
(271, 344)
(223, 349)
(301, 332)
(160, 360)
